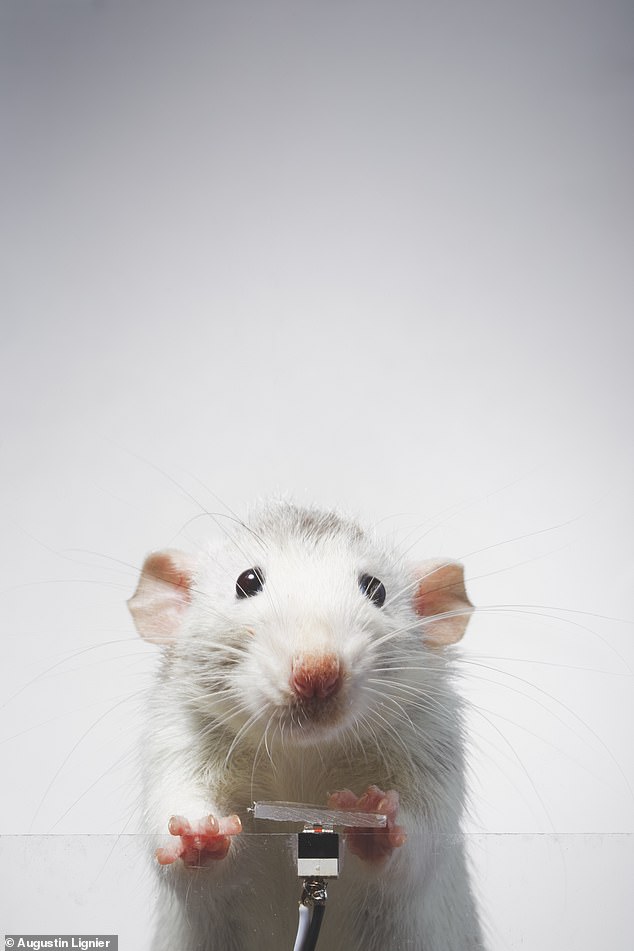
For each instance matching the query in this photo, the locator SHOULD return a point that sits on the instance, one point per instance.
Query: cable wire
(302, 928)
(312, 907)
(315, 924)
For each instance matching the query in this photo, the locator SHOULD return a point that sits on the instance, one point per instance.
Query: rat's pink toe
(342, 799)
(166, 856)
(179, 825)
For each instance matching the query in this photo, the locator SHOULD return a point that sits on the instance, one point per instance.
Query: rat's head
(301, 629)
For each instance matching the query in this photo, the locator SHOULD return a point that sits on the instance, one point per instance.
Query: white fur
(222, 732)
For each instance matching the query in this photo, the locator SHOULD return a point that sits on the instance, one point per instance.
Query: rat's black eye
(249, 583)
(373, 589)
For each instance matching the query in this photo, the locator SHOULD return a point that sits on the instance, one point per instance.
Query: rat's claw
(200, 840)
(373, 845)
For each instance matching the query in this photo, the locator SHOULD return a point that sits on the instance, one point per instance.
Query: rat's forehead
(288, 535)
(283, 522)
(306, 550)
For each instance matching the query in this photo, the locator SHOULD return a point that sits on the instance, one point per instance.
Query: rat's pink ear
(441, 599)
(162, 595)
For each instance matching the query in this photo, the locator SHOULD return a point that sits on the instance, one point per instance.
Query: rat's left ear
(441, 599)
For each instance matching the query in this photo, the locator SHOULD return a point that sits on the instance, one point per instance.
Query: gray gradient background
(377, 255)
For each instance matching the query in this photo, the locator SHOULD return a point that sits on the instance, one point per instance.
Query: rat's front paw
(373, 845)
(199, 842)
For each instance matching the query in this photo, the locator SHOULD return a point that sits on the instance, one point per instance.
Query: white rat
(305, 662)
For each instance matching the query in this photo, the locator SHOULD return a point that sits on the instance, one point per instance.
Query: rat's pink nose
(316, 675)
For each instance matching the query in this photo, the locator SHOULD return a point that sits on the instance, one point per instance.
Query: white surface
(377, 255)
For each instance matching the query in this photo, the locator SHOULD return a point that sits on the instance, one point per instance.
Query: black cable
(315, 924)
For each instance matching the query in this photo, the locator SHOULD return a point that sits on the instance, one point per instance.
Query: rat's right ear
(441, 600)
(163, 595)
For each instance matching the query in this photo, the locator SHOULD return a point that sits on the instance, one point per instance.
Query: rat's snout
(315, 675)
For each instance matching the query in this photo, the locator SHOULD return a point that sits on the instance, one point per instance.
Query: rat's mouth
(312, 719)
